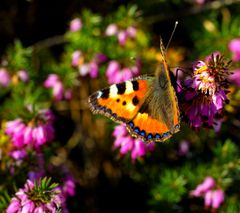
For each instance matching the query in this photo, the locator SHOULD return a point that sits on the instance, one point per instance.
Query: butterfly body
(147, 105)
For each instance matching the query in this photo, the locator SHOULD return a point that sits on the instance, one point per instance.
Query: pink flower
(76, 57)
(93, 69)
(115, 74)
(18, 154)
(218, 198)
(122, 37)
(183, 148)
(75, 25)
(234, 47)
(58, 90)
(139, 149)
(126, 144)
(22, 202)
(205, 186)
(51, 80)
(111, 30)
(131, 31)
(23, 75)
(14, 206)
(4, 77)
(235, 77)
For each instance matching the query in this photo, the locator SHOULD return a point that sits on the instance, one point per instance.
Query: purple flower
(183, 148)
(122, 37)
(235, 77)
(58, 91)
(75, 25)
(115, 74)
(32, 200)
(131, 31)
(234, 47)
(127, 144)
(23, 75)
(218, 198)
(203, 92)
(18, 154)
(77, 58)
(33, 134)
(93, 69)
(111, 30)
(5, 78)
(205, 186)
(51, 80)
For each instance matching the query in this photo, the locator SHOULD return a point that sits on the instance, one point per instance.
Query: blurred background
(70, 49)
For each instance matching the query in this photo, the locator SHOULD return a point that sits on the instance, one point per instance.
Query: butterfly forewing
(121, 102)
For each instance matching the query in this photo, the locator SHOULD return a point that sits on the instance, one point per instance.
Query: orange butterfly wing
(120, 102)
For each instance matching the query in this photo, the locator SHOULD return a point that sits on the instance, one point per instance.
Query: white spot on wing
(99, 94)
(129, 87)
(113, 91)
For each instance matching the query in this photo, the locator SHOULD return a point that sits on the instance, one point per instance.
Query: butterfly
(147, 105)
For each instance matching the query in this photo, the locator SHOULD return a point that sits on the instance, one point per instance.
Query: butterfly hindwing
(121, 102)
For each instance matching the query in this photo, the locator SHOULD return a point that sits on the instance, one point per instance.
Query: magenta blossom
(5, 78)
(234, 47)
(116, 74)
(213, 197)
(75, 25)
(126, 144)
(203, 92)
(33, 200)
(23, 75)
(54, 82)
(32, 134)
(111, 30)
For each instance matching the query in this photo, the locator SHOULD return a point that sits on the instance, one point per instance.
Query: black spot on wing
(105, 93)
(135, 101)
(135, 85)
(121, 88)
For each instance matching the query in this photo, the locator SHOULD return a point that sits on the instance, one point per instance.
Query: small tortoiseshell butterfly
(146, 104)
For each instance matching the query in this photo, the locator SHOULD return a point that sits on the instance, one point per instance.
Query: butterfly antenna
(170, 39)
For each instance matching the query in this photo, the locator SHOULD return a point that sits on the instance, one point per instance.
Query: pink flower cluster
(59, 92)
(5, 77)
(85, 68)
(75, 25)
(32, 134)
(213, 197)
(116, 74)
(23, 202)
(234, 47)
(122, 34)
(126, 143)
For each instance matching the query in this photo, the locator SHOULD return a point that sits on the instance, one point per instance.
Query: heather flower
(115, 74)
(234, 47)
(58, 91)
(213, 197)
(131, 31)
(35, 198)
(183, 148)
(18, 154)
(34, 133)
(75, 25)
(127, 144)
(23, 75)
(111, 30)
(122, 37)
(235, 77)
(205, 186)
(5, 78)
(203, 93)
(77, 58)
